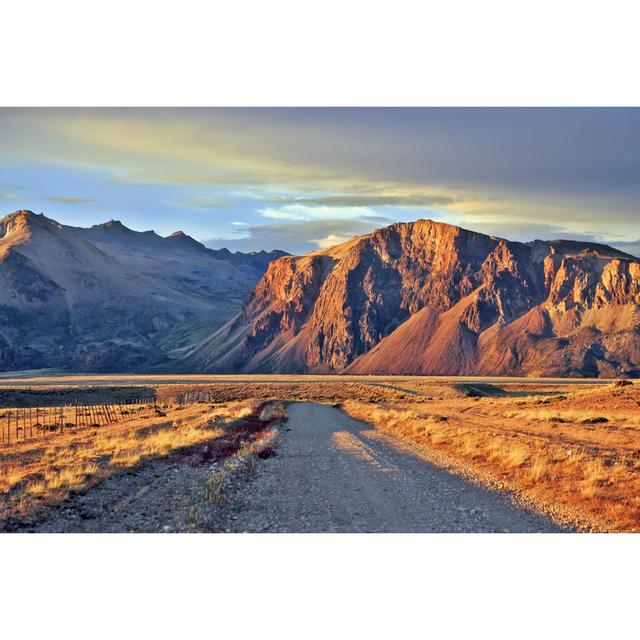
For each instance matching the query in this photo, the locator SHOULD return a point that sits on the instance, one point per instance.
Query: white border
(313, 586)
(141, 53)
(335, 52)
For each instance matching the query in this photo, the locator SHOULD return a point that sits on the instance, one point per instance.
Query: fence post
(76, 415)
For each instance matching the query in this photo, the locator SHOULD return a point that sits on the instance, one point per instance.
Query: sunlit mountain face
(145, 238)
(428, 298)
(306, 179)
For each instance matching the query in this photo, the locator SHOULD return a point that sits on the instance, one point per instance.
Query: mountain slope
(109, 298)
(431, 298)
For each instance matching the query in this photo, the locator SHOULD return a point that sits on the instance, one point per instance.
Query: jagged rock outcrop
(431, 298)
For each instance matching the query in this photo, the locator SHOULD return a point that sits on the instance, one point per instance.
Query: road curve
(335, 474)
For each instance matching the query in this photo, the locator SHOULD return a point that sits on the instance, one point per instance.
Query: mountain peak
(431, 298)
(20, 224)
(111, 225)
(588, 248)
(21, 212)
(24, 214)
(108, 298)
(184, 240)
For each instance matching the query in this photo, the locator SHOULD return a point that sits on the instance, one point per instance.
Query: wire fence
(198, 396)
(24, 423)
(17, 424)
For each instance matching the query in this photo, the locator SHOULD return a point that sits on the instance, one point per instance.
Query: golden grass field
(573, 454)
(43, 472)
(571, 451)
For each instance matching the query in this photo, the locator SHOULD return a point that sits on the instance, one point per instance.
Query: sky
(303, 179)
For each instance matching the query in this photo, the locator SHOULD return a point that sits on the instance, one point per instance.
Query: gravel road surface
(330, 473)
(335, 474)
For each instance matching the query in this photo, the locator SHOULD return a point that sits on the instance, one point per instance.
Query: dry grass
(541, 443)
(562, 458)
(294, 391)
(52, 396)
(47, 470)
(217, 486)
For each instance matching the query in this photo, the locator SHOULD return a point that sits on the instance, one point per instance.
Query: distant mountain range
(111, 299)
(431, 298)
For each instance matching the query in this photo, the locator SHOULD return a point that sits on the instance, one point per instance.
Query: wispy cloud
(331, 240)
(373, 199)
(12, 186)
(496, 167)
(632, 247)
(299, 212)
(527, 231)
(71, 199)
(298, 237)
(10, 192)
(203, 202)
(9, 195)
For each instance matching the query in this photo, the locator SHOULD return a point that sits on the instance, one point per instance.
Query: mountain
(431, 298)
(109, 298)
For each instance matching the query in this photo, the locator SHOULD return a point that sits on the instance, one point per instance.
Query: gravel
(335, 474)
(322, 471)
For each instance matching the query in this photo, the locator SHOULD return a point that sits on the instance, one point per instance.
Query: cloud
(298, 237)
(299, 212)
(331, 240)
(539, 149)
(71, 199)
(11, 185)
(168, 146)
(632, 247)
(203, 202)
(9, 195)
(373, 200)
(302, 236)
(579, 166)
(526, 231)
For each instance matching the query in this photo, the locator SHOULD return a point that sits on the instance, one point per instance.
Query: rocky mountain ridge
(109, 298)
(431, 298)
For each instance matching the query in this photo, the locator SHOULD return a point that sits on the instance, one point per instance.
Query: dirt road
(333, 473)
(330, 474)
